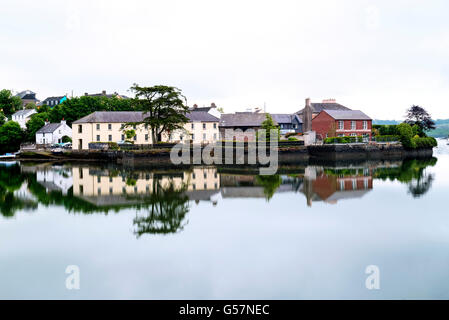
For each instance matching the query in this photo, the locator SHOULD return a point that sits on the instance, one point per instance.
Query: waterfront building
(53, 133)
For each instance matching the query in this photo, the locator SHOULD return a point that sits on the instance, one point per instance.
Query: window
(205, 175)
(98, 179)
(123, 137)
(98, 126)
(205, 186)
(215, 136)
(342, 185)
(204, 126)
(193, 176)
(353, 125)
(81, 173)
(81, 189)
(353, 134)
(109, 126)
(134, 127)
(124, 190)
(204, 136)
(146, 126)
(365, 125)
(99, 191)
(193, 137)
(110, 179)
(146, 137)
(135, 137)
(98, 138)
(80, 129)
(193, 126)
(110, 137)
(110, 190)
(354, 184)
(181, 137)
(215, 126)
(341, 125)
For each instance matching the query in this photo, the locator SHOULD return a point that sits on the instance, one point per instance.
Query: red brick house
(340, 123)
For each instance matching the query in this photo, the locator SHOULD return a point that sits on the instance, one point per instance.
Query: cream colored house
(106, 126)
(201, 128)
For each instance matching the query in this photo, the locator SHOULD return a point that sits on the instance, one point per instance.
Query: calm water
(208, 233)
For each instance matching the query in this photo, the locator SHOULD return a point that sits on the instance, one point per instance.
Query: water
(208, 233)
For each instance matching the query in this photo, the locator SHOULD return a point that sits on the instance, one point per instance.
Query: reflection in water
(162, 198)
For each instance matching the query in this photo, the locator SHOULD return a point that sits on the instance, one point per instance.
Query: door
(80, 144)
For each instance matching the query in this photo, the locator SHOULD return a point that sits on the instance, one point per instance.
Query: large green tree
(9, 104)
(11, 136)
(165, 109)
(36, 122)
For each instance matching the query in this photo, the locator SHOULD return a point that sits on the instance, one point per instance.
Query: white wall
(22, 120)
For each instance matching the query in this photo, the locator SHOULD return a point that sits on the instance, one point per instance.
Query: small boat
(8, 156)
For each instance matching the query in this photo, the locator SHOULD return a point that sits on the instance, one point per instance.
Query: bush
(386, 130)
(426, 142)
(292, 139)
(406, 136)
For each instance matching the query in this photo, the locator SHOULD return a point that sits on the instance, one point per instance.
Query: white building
(55, 178)
(53, 133)
(23, 116)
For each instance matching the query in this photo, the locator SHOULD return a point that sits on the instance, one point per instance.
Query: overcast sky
(377, 56)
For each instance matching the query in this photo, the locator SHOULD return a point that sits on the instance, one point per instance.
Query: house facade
(340, 123)
(202, 127)
(288, 123)
(107, 126)
(23, 116)
(27, 97)
(53, 101)
(53, 133)
(241, 126)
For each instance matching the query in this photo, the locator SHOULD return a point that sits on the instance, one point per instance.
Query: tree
(2, 118)
(36, 122)
(419, 116)
(406, 134)
(130, 134)
(164, 108)
(30, 105)
(9, 104)
(269, 125)
(11, 136)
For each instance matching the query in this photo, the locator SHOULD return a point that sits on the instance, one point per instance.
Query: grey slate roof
(27, 94)
(23, 112)
(243, 119)
(318, 107)
(347, 114)
(201, 116)
(285, 118)
(49, 128)
(112, 117)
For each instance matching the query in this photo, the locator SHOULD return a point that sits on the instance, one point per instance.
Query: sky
(380, 56)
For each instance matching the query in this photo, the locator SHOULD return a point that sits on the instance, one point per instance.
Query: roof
(138, 116)
(27, 94)
(285, 118)
(318, 107)
(243, 119)
(49, 128)
(53, 98)
(112, 117)
(347, 114)
(24, 112)
(201, 116)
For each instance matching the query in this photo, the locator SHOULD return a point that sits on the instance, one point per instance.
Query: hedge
(387, 138)
(333, 140)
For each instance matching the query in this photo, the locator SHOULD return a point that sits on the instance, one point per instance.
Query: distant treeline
(442, 130)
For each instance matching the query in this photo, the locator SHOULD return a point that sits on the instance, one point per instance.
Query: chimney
(307, 117)
(329, 101)
(212, 105)
(46, 122)
(86, 94)
(63, 122)
(195, 106)
(103, 92)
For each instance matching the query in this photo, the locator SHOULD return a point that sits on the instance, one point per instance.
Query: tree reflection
(166, 209)
(11, 181)
(270, 184)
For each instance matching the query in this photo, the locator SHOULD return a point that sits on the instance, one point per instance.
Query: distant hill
(442, 130)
